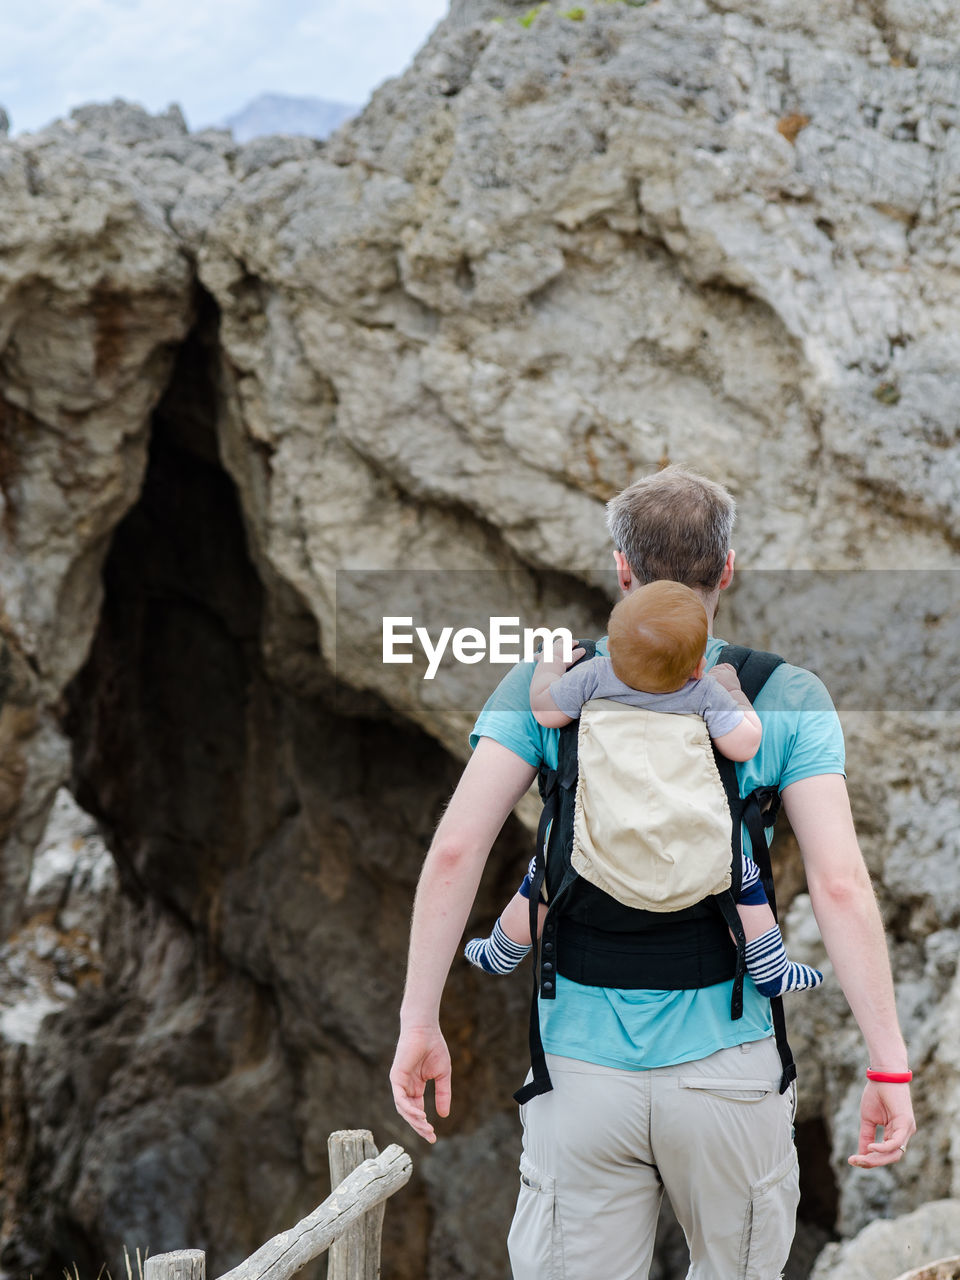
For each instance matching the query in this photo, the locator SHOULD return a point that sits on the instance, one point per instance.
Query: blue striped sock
(772, 972)
(749, 874)
(496, 954)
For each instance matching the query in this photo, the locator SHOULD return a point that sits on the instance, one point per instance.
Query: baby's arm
(510, 940)
(548, 671)
(515, 919)
(743, 742)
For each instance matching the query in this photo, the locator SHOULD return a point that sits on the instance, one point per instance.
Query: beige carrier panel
(651, 824)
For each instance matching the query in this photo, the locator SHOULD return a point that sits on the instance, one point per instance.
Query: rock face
(894, 1247)
(253, 399)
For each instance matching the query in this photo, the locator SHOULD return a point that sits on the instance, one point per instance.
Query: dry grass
(104, 1274)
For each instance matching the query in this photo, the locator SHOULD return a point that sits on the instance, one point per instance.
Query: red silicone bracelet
(889, 1077)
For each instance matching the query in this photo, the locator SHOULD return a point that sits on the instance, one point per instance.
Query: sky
(210, 56)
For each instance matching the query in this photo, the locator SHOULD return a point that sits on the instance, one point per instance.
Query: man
(657, 1090)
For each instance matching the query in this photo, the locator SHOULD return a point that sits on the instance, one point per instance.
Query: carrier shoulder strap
(757, 811)
(549, 781)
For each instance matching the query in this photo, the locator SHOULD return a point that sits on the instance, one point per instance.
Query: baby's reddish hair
(657, 635)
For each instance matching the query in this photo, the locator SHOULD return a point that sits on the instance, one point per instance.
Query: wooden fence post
(356, 1254)
(348, 1223)
(349, 1203)
(185, 1264)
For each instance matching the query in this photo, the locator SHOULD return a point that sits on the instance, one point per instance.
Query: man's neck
(710, 601)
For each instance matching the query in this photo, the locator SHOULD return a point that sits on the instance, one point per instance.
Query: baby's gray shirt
(595, 679)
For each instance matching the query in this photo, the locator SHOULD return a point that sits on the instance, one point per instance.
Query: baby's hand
(553, 660)
(726, 676)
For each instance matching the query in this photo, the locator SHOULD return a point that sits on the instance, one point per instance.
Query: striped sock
(496, 954)
(749, 875)
(772, 972)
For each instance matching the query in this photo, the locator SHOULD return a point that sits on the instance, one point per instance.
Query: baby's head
(657, 635)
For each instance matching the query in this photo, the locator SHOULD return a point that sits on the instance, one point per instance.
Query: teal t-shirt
(638, 1029)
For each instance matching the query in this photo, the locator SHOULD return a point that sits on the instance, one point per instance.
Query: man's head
(656, 637)
(675, 525)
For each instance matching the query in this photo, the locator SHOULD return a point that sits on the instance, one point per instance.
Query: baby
(657, 637)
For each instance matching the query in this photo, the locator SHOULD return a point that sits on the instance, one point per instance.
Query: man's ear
(727, 576)
(624, 572)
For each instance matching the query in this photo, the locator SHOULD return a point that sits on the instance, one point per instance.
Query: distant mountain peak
(271, 113)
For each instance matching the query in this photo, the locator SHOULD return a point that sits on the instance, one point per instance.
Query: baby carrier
(590, 936)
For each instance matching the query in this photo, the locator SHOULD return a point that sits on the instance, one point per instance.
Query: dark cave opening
(268, 835)
(819, 1196)
(173, 729)
(159, 716)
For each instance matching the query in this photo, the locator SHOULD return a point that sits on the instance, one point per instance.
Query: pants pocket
(535, 1242)
(734, 1089)
(770, 1222)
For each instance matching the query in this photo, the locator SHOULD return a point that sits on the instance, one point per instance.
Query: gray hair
(673, 524)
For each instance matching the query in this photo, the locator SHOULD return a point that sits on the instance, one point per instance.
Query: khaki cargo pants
(599, 1151)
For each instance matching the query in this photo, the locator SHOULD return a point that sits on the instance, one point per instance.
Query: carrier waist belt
(675, 957)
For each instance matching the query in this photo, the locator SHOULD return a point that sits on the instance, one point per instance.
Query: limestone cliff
(254, 398)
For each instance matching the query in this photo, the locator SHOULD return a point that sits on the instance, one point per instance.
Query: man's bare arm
(493, 781)
(849, 921)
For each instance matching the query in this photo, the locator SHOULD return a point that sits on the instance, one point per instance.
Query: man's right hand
(421, 1056)
(493, 781)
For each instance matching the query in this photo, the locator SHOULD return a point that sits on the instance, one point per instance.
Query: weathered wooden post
(345, 1207)
(348, 1223)
(356, 1254)
(185, 1264)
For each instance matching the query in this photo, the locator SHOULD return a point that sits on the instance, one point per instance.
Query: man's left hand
(887, 1105)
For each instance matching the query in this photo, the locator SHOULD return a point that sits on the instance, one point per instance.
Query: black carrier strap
(758, 811)
(553, 784)
(541, 1082)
